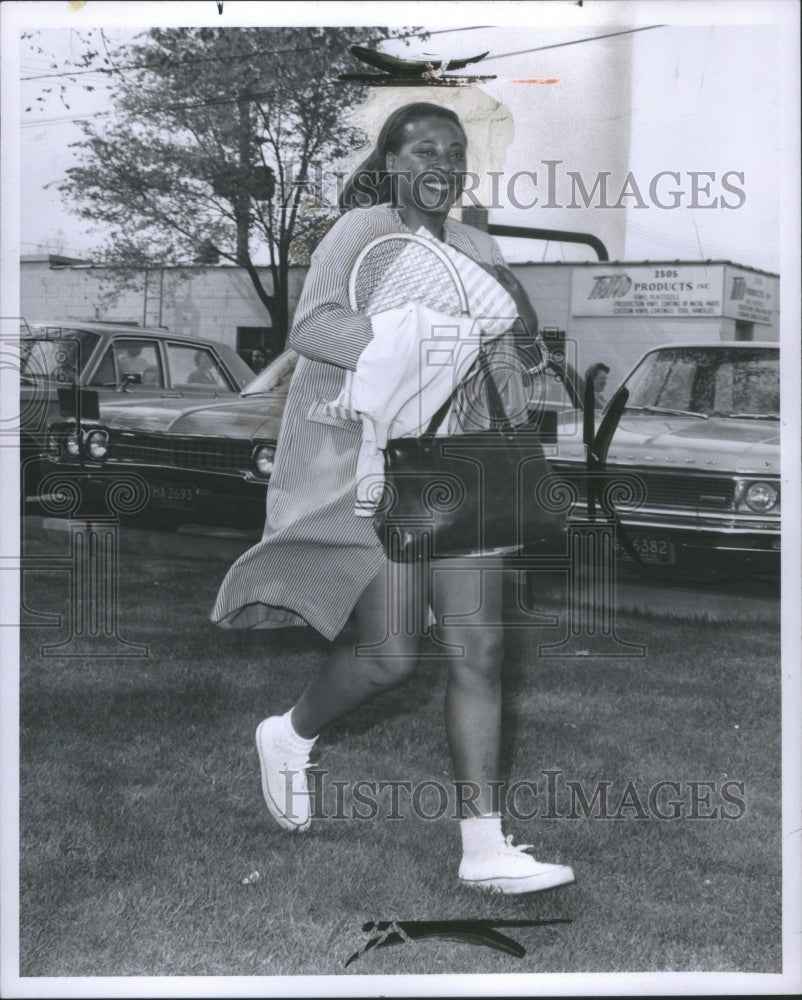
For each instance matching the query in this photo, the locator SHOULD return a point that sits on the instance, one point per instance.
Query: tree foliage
(218, 146)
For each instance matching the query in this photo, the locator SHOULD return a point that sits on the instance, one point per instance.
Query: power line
(240, 55)
(69, 118)
(210, 103)
(315, 48)
(182, 62)
(577, 41)
(56, 247)
(155, 110)
(94, 74)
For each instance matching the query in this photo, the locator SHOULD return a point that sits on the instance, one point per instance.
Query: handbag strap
(498, 415)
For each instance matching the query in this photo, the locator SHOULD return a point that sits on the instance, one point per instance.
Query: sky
(676, 106)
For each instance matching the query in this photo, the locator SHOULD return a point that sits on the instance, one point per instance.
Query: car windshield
(708, 382)
(55, 353)
(275, 378)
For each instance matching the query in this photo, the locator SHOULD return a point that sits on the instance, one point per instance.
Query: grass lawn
(141, 811)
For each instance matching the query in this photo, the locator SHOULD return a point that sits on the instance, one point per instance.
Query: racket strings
(373, 270)
(398, 271)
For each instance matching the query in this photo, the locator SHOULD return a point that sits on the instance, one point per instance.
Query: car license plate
(175, 497)
(651, 548)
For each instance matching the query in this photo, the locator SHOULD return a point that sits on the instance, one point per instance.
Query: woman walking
(318, 562)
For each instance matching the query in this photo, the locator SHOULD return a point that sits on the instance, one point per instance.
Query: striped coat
(315, 557)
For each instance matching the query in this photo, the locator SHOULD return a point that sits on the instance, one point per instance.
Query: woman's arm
(325, 327)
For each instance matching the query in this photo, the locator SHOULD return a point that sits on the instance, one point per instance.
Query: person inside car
(258, 360)
(598, 374)
(203, 373)
(131, 363)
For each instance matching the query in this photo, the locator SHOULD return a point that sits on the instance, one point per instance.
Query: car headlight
(53, 446)
(72, 444)
(263, 456)
(761, 497)
(97, 444)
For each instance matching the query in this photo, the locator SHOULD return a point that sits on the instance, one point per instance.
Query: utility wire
(55, 248)
(201, 104)
(155, 110)
(205, 59)
(577, 41)
(316, 48)
(182, 62)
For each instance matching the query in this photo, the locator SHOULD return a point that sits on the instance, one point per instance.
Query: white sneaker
(508, 869)
(283, 772)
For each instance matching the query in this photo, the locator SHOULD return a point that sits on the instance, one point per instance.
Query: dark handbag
(469, 493)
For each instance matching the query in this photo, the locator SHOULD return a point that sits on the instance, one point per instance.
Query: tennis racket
(403, 267)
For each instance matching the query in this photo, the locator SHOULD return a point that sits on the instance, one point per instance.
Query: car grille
(666, 490)
(183, 453)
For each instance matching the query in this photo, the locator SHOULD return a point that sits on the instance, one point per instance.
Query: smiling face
(429, 166)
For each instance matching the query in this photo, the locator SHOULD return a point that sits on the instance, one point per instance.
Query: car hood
(718, 443)
(251, 417)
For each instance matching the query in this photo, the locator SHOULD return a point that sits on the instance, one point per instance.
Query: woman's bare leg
(473, 693)
(352, 675)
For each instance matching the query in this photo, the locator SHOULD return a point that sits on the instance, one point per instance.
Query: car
(116, 361)
(185, 465)
(697, 447)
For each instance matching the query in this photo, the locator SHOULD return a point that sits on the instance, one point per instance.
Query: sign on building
(681, 291)
(748, 296)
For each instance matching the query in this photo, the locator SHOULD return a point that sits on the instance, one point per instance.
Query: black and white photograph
(400, 535)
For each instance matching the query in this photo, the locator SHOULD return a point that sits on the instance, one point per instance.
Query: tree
(218, 144)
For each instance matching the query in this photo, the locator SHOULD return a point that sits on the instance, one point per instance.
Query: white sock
(481, 834)
(292, 740)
